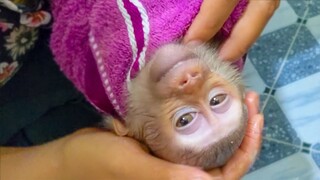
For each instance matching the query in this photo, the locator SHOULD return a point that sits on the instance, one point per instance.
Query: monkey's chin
(212, 156)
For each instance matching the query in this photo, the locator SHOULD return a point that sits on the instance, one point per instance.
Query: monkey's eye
(187, 120)
(184, 120)
(217, 99)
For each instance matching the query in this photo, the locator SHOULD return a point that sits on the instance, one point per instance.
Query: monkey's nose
(186, 77)
(189, 79)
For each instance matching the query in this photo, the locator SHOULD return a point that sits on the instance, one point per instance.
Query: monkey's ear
(119, 128)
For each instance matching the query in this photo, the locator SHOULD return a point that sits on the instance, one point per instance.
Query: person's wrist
(37, 162)
(78, 158)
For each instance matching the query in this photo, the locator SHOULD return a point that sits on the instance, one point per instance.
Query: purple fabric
(94, 41)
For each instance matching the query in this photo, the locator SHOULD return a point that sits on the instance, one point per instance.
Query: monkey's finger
(209, 20)
(242, 160)
(248, 28)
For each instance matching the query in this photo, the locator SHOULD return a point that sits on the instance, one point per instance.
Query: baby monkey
(187, 106)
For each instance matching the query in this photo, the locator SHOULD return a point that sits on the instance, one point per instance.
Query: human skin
(212, 16)
(95, 154)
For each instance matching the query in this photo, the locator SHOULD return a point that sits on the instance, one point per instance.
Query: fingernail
(200, 175)
(200, 178)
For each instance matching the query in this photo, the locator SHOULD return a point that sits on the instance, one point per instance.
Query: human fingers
(241, 161)
(137, 164)
(96, 154)
(141, 165)
(209, 20)
(248, 28)
(252, 103)
(245, 156)
(149, 167)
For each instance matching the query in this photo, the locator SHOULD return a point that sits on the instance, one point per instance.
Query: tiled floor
(284, 67)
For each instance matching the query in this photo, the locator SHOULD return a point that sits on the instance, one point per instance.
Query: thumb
(130, 161)
(252, 102)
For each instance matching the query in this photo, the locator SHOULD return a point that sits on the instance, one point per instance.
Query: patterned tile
(295, 166)
(316, 147)
(270, 51)
(284, 67)
(284, 14)
(303, 60)
(272, 151)
(300, 6)
(300, 102)
(280, 139)
(277, 126)
(313, 25)
(316, 154)
(252, 79)
(316, 157)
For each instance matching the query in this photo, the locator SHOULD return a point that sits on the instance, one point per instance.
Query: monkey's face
(187, 107)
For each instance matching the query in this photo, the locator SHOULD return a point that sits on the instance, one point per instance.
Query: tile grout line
(285, 59)
(289, 144)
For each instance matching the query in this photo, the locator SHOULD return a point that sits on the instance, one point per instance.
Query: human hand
(95, 154)
(91, 154)
(245, 156)
(212, 16)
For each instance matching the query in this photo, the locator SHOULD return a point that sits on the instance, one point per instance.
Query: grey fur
(142, 120)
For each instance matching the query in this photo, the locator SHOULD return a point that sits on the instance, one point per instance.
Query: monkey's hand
(244, 157)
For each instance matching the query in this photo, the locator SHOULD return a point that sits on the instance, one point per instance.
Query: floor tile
(300, 102)
(303, 60)
(273, 151)
(296, 166)
(300, 6)
(268, 53)
(316, 154)
(313, 25)
(277, 126)
(284, 14)
(252, 79)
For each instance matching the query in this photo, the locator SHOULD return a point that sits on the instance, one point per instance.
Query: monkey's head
(187, 106)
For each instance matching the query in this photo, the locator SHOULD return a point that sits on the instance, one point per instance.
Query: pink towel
(100, 45)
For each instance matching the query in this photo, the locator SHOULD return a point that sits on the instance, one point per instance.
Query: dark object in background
(39, 104)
